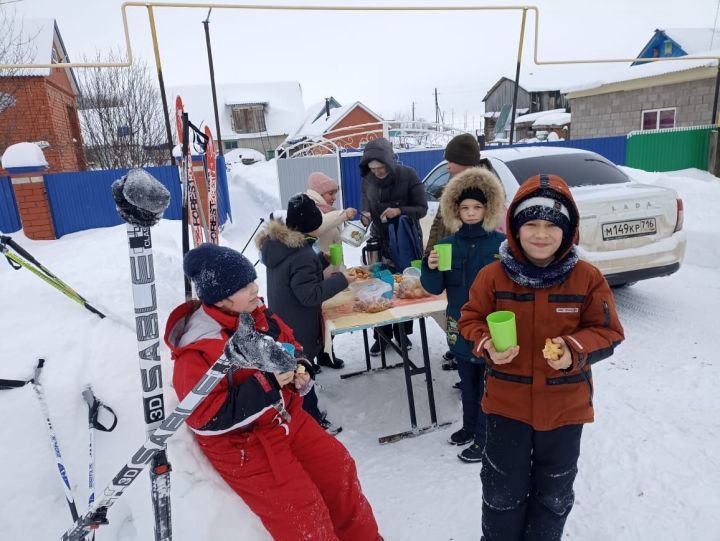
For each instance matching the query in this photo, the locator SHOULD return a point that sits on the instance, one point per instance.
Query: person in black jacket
(389, 190)
(296, 288)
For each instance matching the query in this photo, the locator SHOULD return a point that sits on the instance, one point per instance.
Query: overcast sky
(386, 60)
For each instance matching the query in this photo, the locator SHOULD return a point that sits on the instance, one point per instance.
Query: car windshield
(576, 169)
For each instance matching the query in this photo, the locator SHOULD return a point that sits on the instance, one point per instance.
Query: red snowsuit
(298, 479)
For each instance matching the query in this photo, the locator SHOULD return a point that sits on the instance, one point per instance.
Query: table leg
(428, 374)
(406, 369)
(367, 350)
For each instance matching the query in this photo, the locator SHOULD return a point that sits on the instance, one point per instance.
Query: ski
(148, 336)
(183, 182)
(141, 200)
(190, 192)
(211, 175)
(154, 445)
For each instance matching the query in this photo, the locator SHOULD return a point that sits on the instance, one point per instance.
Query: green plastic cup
(444, 252)
(417, 263)
(336, 254)
(502, 329)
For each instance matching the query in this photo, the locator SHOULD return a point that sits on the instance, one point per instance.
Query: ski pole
(96, 515)
(94, 406)
(252, 236)
(41, 272)
(35, 381)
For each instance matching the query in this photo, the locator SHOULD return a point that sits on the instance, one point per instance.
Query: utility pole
(437, 112)
(206, 24)
(413, 111)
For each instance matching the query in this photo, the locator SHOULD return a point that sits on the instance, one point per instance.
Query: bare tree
(16, 47)
(121, 115)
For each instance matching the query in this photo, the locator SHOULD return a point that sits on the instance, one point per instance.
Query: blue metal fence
(420, 160)
(9, 219)
(612, 148)
(82, 200)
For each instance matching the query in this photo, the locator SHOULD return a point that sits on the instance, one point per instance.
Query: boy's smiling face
(471, 211)
(539, 240)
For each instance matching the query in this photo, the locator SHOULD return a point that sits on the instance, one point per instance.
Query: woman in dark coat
(389, 190)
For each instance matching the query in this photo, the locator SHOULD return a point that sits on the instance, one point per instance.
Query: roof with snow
(553, 119)
(648, 70)
(532, 117)
(282, 102)
(318, 122)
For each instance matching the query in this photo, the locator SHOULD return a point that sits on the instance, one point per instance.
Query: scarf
(529, 275)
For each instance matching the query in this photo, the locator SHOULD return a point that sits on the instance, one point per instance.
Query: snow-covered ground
(649, 469)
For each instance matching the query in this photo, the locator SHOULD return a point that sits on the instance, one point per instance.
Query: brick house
(39, 104)
(651, 95)
(346, 126)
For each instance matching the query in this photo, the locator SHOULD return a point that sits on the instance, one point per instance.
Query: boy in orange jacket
(538, 393)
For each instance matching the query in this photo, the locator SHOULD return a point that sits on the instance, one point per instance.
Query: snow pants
(302, 484)
(472, 387)
(527, 479)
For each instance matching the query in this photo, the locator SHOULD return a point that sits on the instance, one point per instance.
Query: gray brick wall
(619, 113)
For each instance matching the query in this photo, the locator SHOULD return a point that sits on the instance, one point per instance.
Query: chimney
(327, 108)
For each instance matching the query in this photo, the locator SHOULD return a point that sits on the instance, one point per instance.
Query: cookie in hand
(552, 351)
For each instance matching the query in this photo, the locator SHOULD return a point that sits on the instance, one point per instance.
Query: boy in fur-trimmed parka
(538, 394)
(472, 206)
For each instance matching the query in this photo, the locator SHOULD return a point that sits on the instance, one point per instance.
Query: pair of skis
(201, 225)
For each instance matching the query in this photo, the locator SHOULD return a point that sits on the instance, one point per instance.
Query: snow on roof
(620, 73)
(282, 101)
(695, 41)
(552, 119)
(315, 126)
(532, 117)
(36, 37)
(495, 114)
(23, 155)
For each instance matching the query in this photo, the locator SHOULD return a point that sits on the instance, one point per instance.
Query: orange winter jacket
(581, 310)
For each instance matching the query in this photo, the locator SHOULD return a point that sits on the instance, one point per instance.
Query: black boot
(324, 359)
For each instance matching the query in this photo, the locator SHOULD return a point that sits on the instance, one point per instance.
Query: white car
(630, 231)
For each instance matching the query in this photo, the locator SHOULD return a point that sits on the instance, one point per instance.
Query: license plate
(629, 228)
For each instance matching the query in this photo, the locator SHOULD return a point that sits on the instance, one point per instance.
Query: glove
(140, 199)
(248, 348)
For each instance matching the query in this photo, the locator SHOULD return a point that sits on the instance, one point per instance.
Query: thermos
(371, 252)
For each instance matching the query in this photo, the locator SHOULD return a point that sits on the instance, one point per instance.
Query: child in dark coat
(538, 394)
(295, 282)
(472, 206)
(300, 481)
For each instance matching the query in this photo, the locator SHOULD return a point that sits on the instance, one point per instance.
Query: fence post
(25, 163)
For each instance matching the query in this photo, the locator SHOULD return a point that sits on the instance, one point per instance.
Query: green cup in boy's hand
(444, 254)
(502, 329)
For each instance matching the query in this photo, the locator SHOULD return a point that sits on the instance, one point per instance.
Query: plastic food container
(354, 233)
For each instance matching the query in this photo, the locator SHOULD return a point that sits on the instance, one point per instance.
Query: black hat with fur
(475, 183)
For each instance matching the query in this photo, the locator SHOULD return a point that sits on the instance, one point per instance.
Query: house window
(668, 47)
(658, 118)
(229, 145)
(248, 118)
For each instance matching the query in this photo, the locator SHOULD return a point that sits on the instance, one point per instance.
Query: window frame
(657, 117)
(244, 112)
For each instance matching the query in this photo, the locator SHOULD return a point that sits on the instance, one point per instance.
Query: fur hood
(277, 230)
(475, 177)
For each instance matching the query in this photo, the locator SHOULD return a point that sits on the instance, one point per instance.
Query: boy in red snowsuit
(300, 481)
